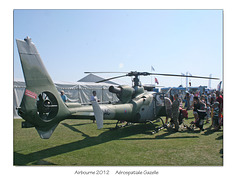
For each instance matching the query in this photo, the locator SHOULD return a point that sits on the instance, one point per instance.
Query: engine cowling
(124, 92)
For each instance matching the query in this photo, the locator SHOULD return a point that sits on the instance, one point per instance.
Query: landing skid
(117, 126)
(170, 127)
(158, 128)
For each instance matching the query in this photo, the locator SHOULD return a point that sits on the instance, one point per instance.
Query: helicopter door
(160, 109)
(160, 99)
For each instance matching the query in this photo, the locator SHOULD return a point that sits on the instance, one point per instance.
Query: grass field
(80, 143)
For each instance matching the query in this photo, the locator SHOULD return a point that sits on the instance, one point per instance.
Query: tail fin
(41, 105)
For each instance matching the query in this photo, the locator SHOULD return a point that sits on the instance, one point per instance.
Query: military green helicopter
(42, 107)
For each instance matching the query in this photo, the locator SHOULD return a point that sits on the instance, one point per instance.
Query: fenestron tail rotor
(47, 106)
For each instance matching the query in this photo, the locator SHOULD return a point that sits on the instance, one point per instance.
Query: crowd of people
(210, 104)
(207, 106)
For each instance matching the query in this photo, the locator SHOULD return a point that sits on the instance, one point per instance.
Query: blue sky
(172, 41)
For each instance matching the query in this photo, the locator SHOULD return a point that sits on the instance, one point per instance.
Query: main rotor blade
(111, 78)
(105, 72)
(173, 75)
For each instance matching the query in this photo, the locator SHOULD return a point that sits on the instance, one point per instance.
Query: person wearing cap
(63, 96)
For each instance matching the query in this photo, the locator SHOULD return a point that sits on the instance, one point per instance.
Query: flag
(219, 86)
(152, 69)
(156, 81)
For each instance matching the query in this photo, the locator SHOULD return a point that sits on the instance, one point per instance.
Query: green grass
(79, 142)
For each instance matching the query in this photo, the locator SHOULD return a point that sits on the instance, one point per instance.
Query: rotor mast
(136, 81)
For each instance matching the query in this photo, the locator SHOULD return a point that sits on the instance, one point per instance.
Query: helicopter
(43, 108)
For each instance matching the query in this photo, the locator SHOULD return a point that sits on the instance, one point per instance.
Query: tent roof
(21, 83)
(94, 78)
